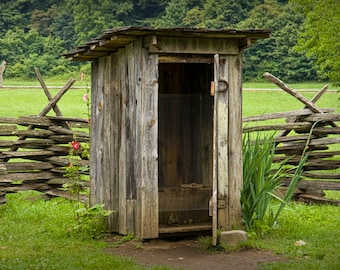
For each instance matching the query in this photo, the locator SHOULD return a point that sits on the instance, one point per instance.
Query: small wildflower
(86, 97)
(75, 145)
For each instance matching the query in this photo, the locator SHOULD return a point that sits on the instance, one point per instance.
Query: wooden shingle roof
(113, 39)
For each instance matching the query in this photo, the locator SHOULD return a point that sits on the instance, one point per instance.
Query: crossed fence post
(308, 103)
(51, 105)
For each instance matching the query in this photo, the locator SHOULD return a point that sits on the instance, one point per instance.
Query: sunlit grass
(26, 102)
(317, 226)
(296, 86)
(34, 234)
(263, 102)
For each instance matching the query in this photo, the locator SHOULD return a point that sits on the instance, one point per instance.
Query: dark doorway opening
(185, 113)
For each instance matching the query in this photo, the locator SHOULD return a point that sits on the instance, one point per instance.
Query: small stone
(300, 243)
(232, 238)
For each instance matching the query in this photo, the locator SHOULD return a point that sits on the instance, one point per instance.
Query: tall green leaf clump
(261, 177)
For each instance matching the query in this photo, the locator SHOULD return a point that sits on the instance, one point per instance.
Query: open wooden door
(220, 145)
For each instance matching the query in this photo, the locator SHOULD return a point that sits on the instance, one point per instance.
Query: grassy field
(35, 234)
(260, 100)
(313, 86)
(30, 101)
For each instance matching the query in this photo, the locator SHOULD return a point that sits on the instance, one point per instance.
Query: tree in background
(174, 14)
(63, 26)
(276, 54)
(321, 38)
(93, 17)
(24, 51)
(219, 13)
(26, 26)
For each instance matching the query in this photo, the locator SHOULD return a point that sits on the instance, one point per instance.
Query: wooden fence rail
(322, 142)
(312, 129)
(35, 158)
(38, 161)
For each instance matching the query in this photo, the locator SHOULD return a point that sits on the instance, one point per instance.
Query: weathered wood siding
(235, 141)
(153, 132)
(148, 181)
(124, 139)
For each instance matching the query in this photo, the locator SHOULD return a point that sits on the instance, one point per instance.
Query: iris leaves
(261, 177)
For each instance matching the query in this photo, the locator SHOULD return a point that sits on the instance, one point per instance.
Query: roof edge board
(115, 38)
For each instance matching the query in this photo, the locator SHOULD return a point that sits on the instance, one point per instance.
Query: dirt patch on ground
(189, 254)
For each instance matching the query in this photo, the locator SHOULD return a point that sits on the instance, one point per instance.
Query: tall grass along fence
(311, 129)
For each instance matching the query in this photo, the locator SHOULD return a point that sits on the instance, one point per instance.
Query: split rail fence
(311, 129)
(34, 150)
(37, 157)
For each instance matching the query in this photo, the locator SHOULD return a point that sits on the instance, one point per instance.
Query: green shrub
(91, 222)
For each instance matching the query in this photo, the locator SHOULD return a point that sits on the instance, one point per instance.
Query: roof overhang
(113, 39)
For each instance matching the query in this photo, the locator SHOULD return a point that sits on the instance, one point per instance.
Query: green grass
(263, 102)
(34, 234)
(57, 81)
(25, 102)
(317, 226)
(296, 86)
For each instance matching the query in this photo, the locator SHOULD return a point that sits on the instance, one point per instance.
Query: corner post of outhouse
(148, 183)
(235, 141)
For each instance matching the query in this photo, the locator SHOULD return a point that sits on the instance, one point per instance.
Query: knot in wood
(152, 122)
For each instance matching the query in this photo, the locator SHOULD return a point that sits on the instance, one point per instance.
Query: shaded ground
(188, 254)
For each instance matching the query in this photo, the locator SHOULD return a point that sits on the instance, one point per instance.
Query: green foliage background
(35, 33)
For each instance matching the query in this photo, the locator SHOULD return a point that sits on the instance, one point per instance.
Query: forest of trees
(304, 44)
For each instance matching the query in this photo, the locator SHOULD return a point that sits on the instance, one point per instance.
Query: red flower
(75, 145)
(86, 97)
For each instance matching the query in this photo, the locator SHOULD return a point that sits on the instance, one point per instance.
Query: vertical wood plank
(122, 146)
(235, 141)
(137, 84)
(222, 142)
(108, 139)
(115, 115)
(93, 173)
(148, 185)
(97, 133)
(131, 127)
(215, 153)
(105, 109)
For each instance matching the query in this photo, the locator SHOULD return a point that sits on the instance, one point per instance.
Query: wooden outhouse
(166, 127)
